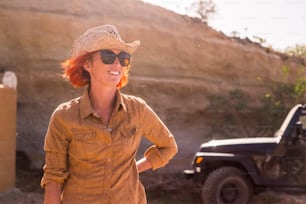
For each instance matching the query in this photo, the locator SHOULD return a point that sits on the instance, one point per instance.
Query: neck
(102, 97)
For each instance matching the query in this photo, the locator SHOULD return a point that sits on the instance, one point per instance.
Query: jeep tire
(227, 185)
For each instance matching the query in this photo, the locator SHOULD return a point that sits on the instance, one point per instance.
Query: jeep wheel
(226, 185)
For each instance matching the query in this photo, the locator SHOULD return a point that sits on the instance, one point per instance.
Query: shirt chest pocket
(131, 138)
(88, 145)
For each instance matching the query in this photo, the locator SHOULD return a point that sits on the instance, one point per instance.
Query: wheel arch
(213, 161)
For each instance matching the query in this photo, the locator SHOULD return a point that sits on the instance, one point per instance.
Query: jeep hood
(251, 146)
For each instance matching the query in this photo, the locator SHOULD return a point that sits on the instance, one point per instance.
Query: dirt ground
(174, 189)
(27, 190)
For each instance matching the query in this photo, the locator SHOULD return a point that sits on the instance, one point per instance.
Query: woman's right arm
(55, 168)
(53, 192)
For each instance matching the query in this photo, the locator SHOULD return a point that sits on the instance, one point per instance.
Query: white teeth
(114, 73)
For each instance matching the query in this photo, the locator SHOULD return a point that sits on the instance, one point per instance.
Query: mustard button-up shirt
(96, 164)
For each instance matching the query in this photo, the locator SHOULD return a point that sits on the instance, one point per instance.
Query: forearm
(159, 157)
(53, 192)
(143, 165)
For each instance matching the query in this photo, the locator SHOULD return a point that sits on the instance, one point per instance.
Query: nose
(116, 62)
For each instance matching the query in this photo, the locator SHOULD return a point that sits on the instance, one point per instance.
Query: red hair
(79, 77)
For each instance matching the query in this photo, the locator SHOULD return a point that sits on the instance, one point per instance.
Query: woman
(91, 142)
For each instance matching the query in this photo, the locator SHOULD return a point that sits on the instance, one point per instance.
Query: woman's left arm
(164, 145)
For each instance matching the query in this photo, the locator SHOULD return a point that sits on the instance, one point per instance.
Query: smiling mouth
(114, 73)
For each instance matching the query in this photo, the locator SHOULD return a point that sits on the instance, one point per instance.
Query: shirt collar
(86, 107)
(120, 105)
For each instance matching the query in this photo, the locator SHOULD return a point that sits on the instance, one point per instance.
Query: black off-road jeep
(230, 170)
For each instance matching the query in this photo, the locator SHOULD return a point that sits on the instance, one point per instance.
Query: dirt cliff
(179, 63)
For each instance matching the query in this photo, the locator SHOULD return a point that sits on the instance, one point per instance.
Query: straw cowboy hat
(99, 38)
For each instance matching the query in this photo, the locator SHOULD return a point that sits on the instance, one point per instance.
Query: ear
(87, 65)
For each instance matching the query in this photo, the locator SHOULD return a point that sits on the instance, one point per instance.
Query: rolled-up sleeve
(56, 144)
(164, 146)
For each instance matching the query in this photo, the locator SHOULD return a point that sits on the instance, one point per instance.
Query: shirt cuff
(154, 156)
(45, 181)
(47, 178)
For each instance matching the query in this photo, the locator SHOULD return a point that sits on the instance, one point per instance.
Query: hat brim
(111, 42)
(106, 42)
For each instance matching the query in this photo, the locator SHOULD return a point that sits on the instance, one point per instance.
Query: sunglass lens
(108, 57)
(124, 59)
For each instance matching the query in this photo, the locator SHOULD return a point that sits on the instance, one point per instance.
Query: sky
(281, 23)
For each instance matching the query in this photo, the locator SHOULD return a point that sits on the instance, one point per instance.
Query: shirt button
(109, 160)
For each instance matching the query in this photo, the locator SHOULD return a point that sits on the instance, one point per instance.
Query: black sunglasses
(109, 57)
